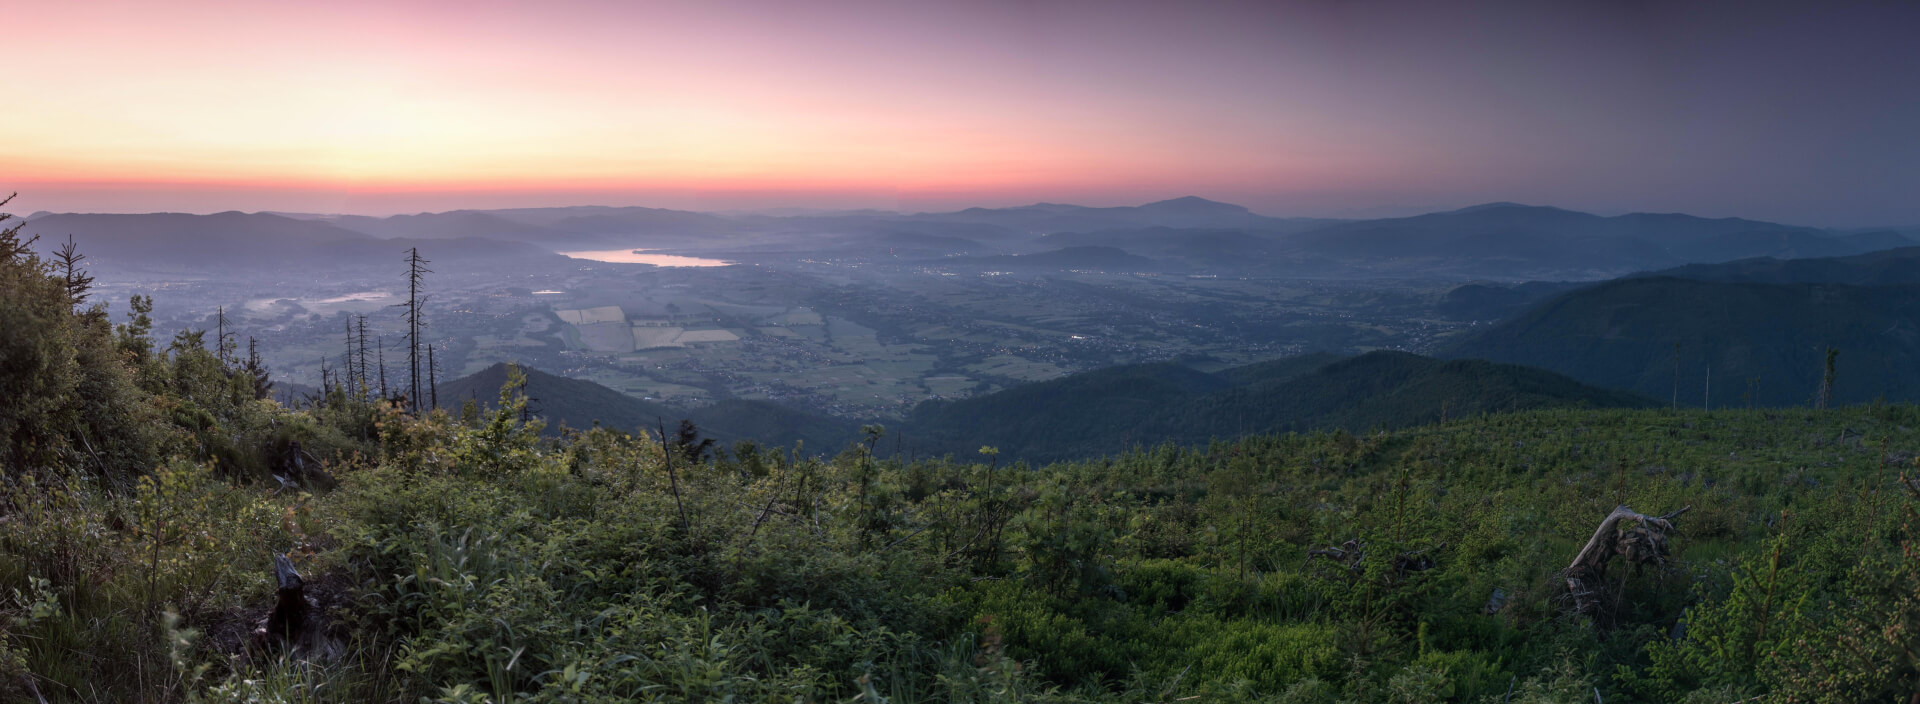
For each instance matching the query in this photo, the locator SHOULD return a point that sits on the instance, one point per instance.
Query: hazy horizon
(1357, 213)
(1775, 112)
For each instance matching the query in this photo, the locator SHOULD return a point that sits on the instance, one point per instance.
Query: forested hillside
(581, 405)
(1098, 413)
(1890, 267)
(167, 534)
(1756, 344)
(1108, 411)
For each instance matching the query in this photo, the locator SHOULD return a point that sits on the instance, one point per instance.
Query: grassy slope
(1162, 571)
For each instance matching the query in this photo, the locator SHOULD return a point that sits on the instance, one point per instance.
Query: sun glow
(383, 98)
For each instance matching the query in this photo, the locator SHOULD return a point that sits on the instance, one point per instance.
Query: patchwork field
(693, 336)
(590, 316)
(646, 338)
(606, 337)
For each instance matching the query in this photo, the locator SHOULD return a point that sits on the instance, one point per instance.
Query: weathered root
(1643, 542)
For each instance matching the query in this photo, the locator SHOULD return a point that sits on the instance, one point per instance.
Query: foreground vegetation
(464, 557)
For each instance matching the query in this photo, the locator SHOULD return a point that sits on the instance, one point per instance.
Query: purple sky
(1799, 112)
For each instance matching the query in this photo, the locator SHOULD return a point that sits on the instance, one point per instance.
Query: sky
(1797, 112)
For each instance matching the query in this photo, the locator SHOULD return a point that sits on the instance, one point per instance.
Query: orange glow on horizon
(425, 98)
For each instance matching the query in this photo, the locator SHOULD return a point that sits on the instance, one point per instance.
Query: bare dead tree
(1825, 396)
(416, 275)
(326, 378)
(220, 348)
(361, 324)
(346, 360)
(380, 351)
(433, 379)
(673, 479)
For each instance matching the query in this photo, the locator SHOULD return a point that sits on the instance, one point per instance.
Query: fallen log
(1352, 555)
(1642, 543)
(1347, 554)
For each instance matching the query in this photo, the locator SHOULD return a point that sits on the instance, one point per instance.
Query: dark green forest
(573, 403)
(1100, 413)
(1721, 343)
(169, 534)
(1109, 411)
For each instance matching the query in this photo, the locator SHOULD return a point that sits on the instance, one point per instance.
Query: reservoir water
(641, 256)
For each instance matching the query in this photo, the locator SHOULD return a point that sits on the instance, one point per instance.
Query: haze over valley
(864, 315)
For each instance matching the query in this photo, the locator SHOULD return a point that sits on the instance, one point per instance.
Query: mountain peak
(1194, 203)
(1503, 205)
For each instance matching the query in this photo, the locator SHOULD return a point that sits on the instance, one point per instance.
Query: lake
(641, 256)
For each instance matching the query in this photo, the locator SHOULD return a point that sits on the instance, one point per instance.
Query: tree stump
(298, 623)
(1642, 542)
(288, 620)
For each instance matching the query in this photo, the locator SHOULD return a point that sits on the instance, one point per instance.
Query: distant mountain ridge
(208, 243)
(1187, 211)
(1881, 268)
(1182, 235)
(1512, 240)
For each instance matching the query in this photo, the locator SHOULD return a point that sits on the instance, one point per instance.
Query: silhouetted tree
(352, 383)
(223, 346)
(687, 442)
(257, 370)
(365, 380)
(416, 275)
(380, 352)
(76, 278)
(326, 379)
(135, 337)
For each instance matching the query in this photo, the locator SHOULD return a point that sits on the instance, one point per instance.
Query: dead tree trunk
(1642, 543)
(288, 620)
(299, 624)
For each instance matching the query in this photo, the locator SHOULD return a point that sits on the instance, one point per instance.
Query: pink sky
(1312, 108)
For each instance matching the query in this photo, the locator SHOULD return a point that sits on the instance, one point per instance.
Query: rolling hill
(1089, 257)
(580, 404)
(1882, 268)
(1509, 240)
(1184, 212)
(1103, 411)
(1501, 241)
(457, 223)
(1106, 411)
(1759, 343)
(252, 241)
